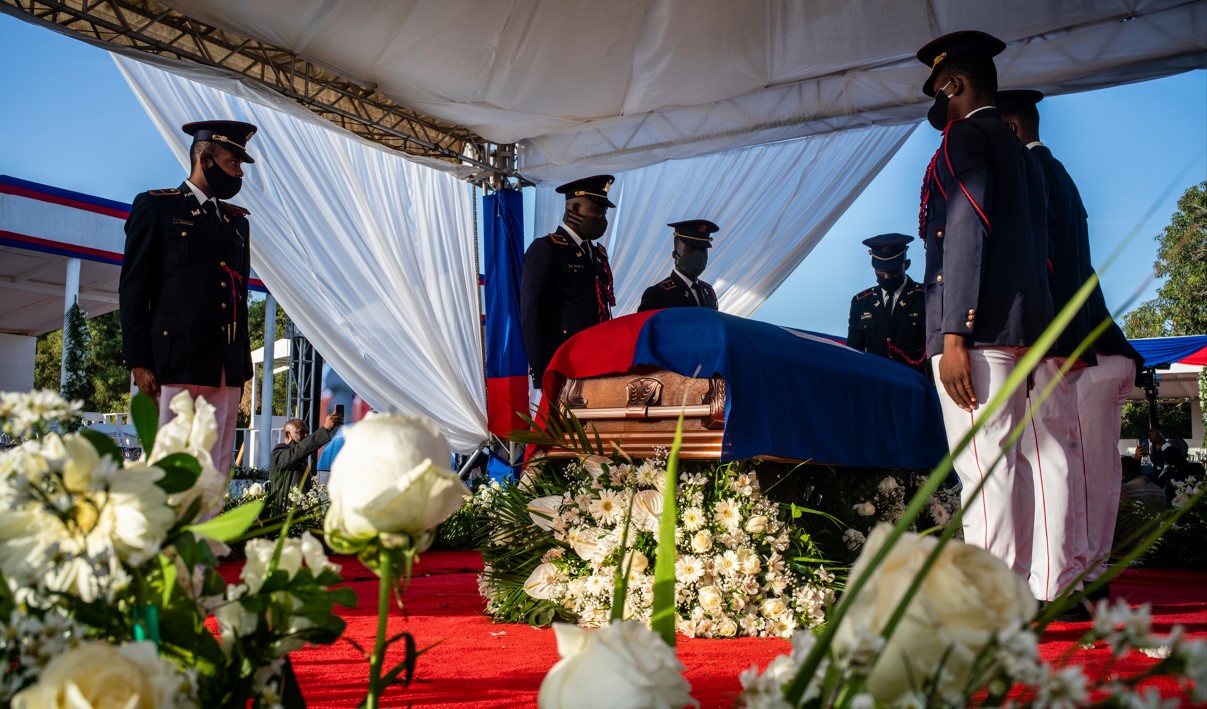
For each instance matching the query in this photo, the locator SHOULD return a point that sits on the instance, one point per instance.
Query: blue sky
(70, 120)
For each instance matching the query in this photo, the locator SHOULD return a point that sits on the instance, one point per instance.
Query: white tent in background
(774, 116)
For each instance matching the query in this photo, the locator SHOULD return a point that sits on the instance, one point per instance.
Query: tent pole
(264, 444)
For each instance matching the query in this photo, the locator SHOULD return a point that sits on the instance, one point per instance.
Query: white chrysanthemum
(607, 508)
(692, 519)
(888, 485)
(26, 412)
(728, 514)
(726, 563)
(688, 569)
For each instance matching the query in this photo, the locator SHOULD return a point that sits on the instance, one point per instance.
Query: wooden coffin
(637, 411)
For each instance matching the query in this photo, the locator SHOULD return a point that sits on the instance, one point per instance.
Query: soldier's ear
(906, 266)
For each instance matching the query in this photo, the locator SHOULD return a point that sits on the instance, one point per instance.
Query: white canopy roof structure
(627, 83)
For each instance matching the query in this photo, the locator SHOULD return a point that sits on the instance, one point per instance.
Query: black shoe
(1076, 614)
(1102, 593)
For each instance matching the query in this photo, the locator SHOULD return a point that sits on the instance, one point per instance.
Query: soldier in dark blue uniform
(889, 319)
(984, 222)
(183, 287)
(683, 288)
(1103, 387)
(566, 282)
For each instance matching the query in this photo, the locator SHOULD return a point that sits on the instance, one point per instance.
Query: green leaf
(344, 596)
(229, 525)
(662, 614)
(175, 478)
(103, 444)
(167, 569)
(145, 415)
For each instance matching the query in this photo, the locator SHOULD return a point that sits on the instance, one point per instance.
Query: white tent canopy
(775, 116)
(627, 83)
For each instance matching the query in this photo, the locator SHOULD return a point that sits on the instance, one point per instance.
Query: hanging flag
(506, 360)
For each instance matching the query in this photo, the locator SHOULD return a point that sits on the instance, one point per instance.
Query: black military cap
(956, 44)
(696, 232)
(593, 188)
(1018, 98)
(232, 135)
(888, 250)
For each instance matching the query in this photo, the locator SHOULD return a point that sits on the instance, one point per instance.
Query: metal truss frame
(149, 26)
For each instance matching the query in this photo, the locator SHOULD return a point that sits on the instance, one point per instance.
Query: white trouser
(225, 400)
(1101, 392)
(1052, 447)
(1021, 513)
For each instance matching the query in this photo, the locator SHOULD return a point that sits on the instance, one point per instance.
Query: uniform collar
(977, 110)
(578, 240)
(1036, 144)
(201, 198)
(683, 278)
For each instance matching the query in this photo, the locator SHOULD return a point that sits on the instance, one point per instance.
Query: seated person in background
(1169, 462)
(288, 459)
(1139, 501)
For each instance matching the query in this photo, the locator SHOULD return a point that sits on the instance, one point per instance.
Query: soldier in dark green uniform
(566, 282)
(889, 319)
(683, 288)
(183, 287)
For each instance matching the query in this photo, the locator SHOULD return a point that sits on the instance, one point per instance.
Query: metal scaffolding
(151, 27)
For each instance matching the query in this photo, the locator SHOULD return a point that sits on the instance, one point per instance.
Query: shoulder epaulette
(559, 239)
(236, 210)
(602, 250)
(170, 192)
(919, 288)
(668, 284)
(863, 294)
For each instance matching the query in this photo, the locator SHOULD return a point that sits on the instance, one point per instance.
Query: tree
(106, 382)
(280, 383)
(1180, 307)
(76, 384)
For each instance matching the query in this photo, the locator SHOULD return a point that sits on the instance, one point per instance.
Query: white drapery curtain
(773, 203)
(371, 254)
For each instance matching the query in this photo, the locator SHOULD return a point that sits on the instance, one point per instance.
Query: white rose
(756, 524)
(639, 562)
(773, 608)
(623, 665)
(702, 541)
(968, 596)
(543, 510)
(389, 477)
(748, 561)
(96, 674)
(710, 599)
(727, 628)
(888, 485)
(193, 430)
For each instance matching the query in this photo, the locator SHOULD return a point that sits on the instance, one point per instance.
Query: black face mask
(937, 115)
(692, 263)
(589, 228)
(222, 184)
(891, 284)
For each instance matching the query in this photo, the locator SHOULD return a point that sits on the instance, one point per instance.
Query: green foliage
(255, 330)
(1180, 307)
(1173, 414)
(106, 384)
(460, 531)
(75, 354)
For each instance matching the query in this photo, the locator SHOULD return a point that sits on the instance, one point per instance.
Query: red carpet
(476, 663)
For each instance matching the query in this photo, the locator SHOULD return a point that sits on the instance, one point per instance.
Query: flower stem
(385, 585)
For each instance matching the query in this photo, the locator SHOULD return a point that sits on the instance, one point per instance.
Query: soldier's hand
(333, 421)
(147, 383)
(955, 372)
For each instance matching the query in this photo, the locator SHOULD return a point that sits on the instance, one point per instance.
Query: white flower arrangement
(734, 570)
(109, 571)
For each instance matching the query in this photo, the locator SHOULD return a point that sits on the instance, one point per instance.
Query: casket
(747, 389)
(638, 410)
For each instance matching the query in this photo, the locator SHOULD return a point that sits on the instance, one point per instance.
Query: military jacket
(984, 224)
(672, 292)
(563, 291)
(183, 290)
(900, 336)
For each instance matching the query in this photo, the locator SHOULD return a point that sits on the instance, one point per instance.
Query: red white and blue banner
(790, 393)
(1189, 349)
(506, 359)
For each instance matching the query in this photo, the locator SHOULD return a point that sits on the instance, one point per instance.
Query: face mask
(937, 115)
(222, 185)
(589, 228)
(692, 263)
(891, 284)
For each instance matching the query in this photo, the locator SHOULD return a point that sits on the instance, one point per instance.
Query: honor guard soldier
(1102, 387)
(183, 287)
(683, 288)
(889, 319)
(566, 282)
(985, 225)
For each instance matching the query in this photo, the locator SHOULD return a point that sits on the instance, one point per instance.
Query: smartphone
(339, 410)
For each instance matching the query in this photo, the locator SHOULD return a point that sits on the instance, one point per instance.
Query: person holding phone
(288, 459)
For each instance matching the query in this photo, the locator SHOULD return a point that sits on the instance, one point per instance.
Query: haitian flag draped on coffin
(791, 394)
